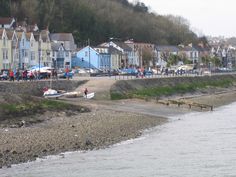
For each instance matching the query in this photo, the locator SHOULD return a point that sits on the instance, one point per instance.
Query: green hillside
(101, 19)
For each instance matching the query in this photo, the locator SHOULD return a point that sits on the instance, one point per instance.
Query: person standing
(11, 76)
(18, 75)
(67, 73)
(85, 92)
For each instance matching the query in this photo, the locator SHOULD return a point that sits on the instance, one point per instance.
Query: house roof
(169, 48)
(114, 50)
(62, 37)
(28, 35)
(56, 46)
(1, 32)
(19, 34)
(202, 49)
(5, 20)
(36, 36)
(44, 35)
(10, 34)
(123, 45)
(187, 48)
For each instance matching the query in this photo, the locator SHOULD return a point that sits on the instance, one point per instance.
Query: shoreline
(86, 131)
(105, 125)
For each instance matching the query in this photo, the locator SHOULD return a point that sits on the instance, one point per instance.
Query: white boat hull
(53, 95)
(71, 94)
(90, 95)
(50, 93)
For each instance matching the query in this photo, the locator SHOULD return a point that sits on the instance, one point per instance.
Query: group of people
(23, 75)
(30, 75)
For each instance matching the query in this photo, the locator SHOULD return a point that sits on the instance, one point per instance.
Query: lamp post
(89, 55)
(39, 57)
(109, 54)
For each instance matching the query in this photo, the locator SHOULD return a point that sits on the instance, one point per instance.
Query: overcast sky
(211, 17)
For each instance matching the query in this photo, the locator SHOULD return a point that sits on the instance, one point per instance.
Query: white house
(7, 22)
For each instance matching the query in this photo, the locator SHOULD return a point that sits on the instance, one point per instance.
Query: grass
(30, 108)
(171, 90)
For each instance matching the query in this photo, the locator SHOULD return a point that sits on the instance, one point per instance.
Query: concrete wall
(125, 86)
(36, 87)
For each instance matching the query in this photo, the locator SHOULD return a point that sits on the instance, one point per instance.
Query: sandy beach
(109, 122)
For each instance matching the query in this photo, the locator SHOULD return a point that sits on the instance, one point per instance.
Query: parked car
(129, 71)
(148, 72)
(65, 75)
(4, 75)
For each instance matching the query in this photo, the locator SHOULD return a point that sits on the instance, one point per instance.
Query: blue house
(88, 57)
(24, 49)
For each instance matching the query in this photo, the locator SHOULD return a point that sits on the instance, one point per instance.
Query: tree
(5, 8)
(140, 7)
(215, 61)
(99, 20)
(147, 56)
(173, 60)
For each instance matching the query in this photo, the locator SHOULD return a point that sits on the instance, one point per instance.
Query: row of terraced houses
(23, 46)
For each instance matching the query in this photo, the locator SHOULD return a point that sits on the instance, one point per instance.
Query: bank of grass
(171, 90)
(31, 108)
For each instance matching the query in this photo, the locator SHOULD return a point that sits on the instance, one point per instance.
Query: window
(32, 55)
(23, 42)
(6, 55)
(3, 54)
(32, 44)
(86, 54)
(14, 43)
(4, 41)
(191, 54)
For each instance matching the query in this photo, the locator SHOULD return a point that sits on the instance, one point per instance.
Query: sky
(208, 17)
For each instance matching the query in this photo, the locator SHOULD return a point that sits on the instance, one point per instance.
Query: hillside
(101, 19)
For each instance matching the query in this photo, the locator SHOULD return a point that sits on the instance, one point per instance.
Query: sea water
(191, 145)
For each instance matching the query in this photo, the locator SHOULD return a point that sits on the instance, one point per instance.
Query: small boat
(50, 93)
(71, 94)
(89, 96)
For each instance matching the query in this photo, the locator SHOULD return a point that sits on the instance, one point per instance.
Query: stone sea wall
(36, 87)
(125, 86)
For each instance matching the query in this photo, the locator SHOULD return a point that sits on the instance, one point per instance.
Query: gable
(6, 21)
(4, 35)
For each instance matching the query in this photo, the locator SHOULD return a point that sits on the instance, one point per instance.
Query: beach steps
(182, 102)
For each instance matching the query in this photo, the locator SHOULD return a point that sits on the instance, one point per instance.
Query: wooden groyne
(183, 102)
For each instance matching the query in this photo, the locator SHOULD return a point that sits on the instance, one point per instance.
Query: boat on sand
(50, 93)
(89, 95)
(71, 94)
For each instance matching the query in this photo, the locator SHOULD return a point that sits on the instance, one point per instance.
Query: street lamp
(109, 55)
(89, 55)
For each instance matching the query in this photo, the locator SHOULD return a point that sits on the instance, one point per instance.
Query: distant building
(189, 52)
(66, 39)
(139, 49)
(5, 50)
(7, 22)
(63, 47)
(92, 58)
(164, 52)
(127, 52)
(61, 57)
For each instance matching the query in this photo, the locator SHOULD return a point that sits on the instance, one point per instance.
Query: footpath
(101, 87)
